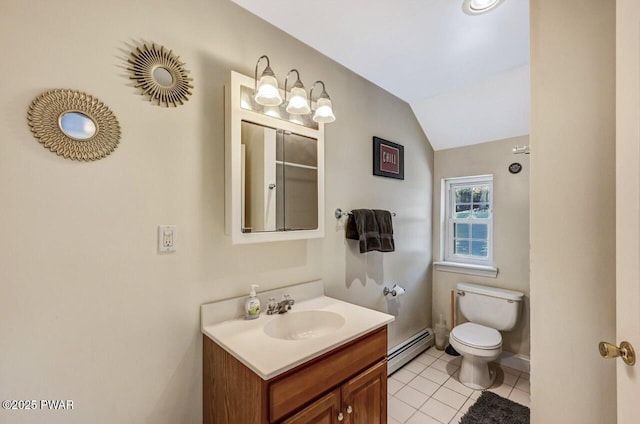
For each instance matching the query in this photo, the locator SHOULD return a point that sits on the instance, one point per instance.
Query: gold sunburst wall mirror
(160, 75)
(74, 124)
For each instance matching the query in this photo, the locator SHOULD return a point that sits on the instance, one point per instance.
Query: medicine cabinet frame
(235, 114)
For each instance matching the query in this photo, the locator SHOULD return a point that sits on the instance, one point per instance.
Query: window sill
(471, 269)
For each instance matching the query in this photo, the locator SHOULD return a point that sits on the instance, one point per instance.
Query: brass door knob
(349, 409)
(340, 417)
(625, 351)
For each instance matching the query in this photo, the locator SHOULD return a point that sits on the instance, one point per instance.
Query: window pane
(461, 230)
(480, 194)
(462, 211)
(479, 248)
(481, 211)
(463, 195)
(478, 231)
(469, 213)
(461, 247)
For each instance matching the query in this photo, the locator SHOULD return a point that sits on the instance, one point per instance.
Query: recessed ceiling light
(476, 7)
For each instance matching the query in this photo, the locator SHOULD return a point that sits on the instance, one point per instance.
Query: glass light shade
(481, 4)
(298, 104)
(324, 111)
(267, 93)
(478, 7)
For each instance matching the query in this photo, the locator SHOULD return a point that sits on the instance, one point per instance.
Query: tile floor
(427, 390)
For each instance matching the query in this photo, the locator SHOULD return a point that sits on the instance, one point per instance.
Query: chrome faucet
(281, 307)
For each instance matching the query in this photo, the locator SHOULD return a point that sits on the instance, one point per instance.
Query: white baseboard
(519, 362)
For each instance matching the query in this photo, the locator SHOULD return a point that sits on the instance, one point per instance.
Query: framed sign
(388, 159)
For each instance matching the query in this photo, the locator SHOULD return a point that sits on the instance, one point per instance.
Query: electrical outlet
(166, 238)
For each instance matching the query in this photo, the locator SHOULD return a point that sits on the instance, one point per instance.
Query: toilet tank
(490, 306)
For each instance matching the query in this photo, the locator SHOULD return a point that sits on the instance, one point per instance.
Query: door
(323, 411)
(628, 202)
(364, 397)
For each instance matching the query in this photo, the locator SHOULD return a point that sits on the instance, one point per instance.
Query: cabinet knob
(340, 417)
(349, 409)
(625, 351)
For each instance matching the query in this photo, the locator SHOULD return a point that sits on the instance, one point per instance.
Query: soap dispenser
(252, 304)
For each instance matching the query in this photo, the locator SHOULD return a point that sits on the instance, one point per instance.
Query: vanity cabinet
(350, 380)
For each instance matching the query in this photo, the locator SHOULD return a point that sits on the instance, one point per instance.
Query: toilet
(489, 310)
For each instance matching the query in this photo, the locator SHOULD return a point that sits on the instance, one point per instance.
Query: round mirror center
(77, 125)
(162, 76)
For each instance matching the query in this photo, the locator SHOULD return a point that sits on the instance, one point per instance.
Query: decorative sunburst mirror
(74, 125)
(160, 75)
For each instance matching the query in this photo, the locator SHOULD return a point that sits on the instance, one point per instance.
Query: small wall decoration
(74, 124)
(388, 159)
(515, 167)
(160, 75)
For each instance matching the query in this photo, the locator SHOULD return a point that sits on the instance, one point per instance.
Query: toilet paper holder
(396, 290)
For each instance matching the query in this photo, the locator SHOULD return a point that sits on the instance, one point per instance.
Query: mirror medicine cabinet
(274, 170)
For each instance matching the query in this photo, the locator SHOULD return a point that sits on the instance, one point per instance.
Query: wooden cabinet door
(364, 397)
(323, 411)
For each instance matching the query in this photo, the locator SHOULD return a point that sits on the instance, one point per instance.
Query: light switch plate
(166, 238)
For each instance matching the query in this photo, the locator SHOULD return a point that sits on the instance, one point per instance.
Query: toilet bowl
(478, 346)
(488, 309)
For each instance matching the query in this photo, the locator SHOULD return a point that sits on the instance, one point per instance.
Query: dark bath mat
(493, 409)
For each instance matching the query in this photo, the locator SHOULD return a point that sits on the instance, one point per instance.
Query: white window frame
(450, 261)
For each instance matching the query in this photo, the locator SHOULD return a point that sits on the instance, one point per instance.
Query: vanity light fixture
(266, 89)
(297, 104)
(324, 111)
(477, 7)
(267, 93)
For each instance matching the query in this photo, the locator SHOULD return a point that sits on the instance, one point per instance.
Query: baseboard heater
(409, 349)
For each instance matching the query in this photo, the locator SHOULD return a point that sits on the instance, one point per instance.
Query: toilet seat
(477, 336)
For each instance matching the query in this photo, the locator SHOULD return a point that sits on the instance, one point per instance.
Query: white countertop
(268, 356)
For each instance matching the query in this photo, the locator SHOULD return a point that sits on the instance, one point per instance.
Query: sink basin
(303, 325)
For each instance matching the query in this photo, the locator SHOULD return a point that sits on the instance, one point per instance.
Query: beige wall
(88, 310)
(572, 210)
(510, 227)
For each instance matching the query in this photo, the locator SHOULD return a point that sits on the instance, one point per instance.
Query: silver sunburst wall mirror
(74, 124)
(160, 75)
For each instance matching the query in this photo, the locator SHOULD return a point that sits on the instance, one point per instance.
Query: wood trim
(328, 371)
(232, 393)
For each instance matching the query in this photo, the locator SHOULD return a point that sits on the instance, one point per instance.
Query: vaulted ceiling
(465, 77)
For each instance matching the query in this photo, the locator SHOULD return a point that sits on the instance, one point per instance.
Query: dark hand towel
(362, 226)
(385, 229)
